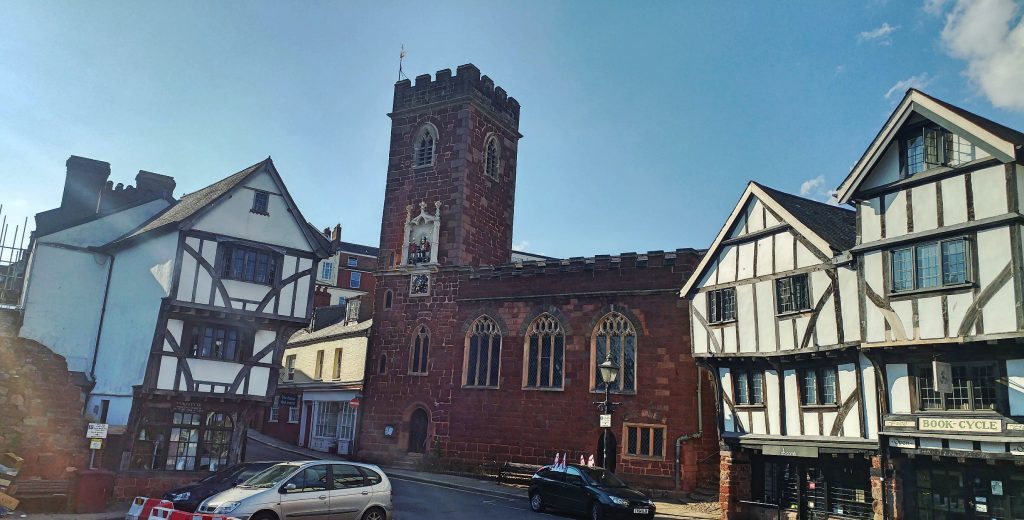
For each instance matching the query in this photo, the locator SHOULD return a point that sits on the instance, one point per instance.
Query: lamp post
(609, 372)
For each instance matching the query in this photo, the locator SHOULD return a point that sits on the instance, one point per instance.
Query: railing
(13, 261)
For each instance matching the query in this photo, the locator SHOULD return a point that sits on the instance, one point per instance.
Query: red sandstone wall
(40, 409)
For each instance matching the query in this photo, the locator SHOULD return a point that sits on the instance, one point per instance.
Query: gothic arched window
(216, 441)
(483, 354)
(423, 146)
(492, 157)
(388, 296)
(544, 353)
(615, 332)
(419, 351)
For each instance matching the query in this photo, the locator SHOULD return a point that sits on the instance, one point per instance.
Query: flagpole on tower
(401, 56)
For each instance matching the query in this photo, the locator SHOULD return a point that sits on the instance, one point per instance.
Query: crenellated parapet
(444, 87)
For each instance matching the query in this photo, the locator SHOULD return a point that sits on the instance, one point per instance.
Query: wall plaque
(941, 424)
(902, 442)
(791, 451)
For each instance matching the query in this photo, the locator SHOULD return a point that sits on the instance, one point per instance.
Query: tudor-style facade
(774, 315)
(940, 270)
(195, 302)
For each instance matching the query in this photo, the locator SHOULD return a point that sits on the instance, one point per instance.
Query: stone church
(480, 357)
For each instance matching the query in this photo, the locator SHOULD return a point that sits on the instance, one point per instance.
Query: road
(421, 501)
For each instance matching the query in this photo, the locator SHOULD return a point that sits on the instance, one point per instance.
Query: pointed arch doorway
(418, 423)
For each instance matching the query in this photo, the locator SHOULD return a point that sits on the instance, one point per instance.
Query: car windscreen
(270, 476)
(602, 477)
(249, 472)
(222, 474)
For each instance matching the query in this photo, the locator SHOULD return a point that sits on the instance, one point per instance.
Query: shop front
(962, 488)
(332, 422)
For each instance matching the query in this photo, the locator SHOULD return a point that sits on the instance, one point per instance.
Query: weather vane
(401, 56)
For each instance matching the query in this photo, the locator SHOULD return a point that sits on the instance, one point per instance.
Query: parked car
(338, 490)
(595, 492)
(187, 498)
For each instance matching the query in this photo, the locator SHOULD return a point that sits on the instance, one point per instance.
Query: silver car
(308, 490)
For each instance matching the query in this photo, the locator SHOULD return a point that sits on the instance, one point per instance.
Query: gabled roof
(831, 229)
(1004, 143)
(349, 247)
(190, 206)
(338, 330)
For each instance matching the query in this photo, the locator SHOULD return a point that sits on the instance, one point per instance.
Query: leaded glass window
(545, 353)
(931, 146)
(423, 154)
(615, 332)
(420, 351)
(491, 158)
(930, 265)
(902, 271)
(184, 441)
(954, 262)
(646, 441)
(975, 387)
(216, 444)
(818, 386)
(483, 353)
(722, 305)
(792, 294)
(926, 265)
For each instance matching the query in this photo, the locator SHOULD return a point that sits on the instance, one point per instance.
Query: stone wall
(41, 408)
(734, 482)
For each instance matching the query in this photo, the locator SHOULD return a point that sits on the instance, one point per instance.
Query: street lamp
(609, 373)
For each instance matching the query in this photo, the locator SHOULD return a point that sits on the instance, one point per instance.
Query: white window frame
(353, 261)
(275, 409)
(293, 413)
(326, 270)
(289, 365)
(355, 279)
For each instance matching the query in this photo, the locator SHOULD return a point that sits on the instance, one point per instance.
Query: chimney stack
(336, 233)
(82, 186)
(160, 185)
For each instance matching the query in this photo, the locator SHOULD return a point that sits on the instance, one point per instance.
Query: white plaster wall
(771, 220)
(231, 217)
(261, 340)
(870, 410)
(63, 301)
(745, 318)
(784, 260)
(825, 328)
(993, 255)
(849, 297)
(757, 422)
(870, 220)
(766, 317)
(245, 290)
(726, 382)
(848, 387)
(929, 317)
(804, 256)
(905, 311)
(302, 289)
(755, 217)
(772, 400)
(213, 370)
(886, 170)
(131, 319)
(746, 261)
(875, 323)
(699, 334)
(728, 336)
(792, 402)
(811, 423)
(954, 200)
(786, 341)
(924, 199)
(259, 379)
(989, 187)
(727, 264)
(1015, 377)
(1019, 172)
(764, 256)
(894, 209)
(106, 229)
(956, 306)
(898, 383)
(165, 375)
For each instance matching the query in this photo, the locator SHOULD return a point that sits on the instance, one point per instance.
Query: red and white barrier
(143, 506)
(168, 513)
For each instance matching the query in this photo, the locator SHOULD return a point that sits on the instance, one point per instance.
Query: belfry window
(423, 147)
(492, 157)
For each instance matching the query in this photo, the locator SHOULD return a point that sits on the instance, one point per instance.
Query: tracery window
(216, 441)
(492, 157)
(483, 354)
(615, 332)
(545, 354)
(420, 351)
(423, 153)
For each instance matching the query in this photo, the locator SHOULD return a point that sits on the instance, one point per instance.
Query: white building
(175, 311)
(940, 272)
(774, 313)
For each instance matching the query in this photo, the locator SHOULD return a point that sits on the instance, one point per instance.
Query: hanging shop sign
(287, 400)
(941, 424)
(942, 377)
(791, 451)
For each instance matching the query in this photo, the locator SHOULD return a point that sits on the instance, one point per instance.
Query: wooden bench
(50, 494)
(515, 473)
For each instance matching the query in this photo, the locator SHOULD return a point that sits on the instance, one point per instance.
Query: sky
(642, 121)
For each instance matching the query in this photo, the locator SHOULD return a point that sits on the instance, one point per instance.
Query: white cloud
(840, 70)
(815, 189)
(521, 246)
(989, 36)
(919, 82)
(934, 7)
(882, 35)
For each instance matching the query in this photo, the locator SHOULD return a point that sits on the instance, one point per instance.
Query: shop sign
(1014, 427)
(189, 407)
(942, 374)
(791, 451)
(287, 400)
(894, 423)
(96, 431)
(960, 425)
(902, 442)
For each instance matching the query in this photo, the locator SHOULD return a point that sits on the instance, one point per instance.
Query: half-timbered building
(195, 300)
(774, 315)
(940, 272)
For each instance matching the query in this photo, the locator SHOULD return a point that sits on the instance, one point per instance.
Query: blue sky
(642, 121)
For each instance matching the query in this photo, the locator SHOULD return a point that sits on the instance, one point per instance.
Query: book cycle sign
(939, 424)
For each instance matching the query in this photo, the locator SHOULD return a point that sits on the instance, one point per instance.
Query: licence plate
(641, 511)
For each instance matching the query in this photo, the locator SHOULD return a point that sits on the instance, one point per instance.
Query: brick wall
(530, 426)
(41, 409)
(734, 482)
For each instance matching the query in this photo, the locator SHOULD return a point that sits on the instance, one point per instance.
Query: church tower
(451, 172)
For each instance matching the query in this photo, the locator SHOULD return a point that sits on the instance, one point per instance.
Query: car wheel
(264, 515)
(374, 513)
(596, 513)
(536, 502)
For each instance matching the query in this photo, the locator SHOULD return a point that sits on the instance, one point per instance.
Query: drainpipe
(699, 433)
(103, 313)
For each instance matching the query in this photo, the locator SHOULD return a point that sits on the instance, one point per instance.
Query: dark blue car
(188, 498)
(595, 492)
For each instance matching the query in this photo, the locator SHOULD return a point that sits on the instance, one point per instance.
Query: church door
(418, 431)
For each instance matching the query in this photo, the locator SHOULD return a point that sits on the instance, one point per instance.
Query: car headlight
(226, 507)
(619, 500)
(181, 496)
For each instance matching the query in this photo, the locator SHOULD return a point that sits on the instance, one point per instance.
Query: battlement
(651, 259)
(444, 87)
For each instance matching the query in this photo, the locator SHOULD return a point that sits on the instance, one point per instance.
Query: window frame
(295, 413)
(747, 377)
(326, 270)
(596, 358)
(242, 342)
(968, 272)
(275, 409)
(798, 306)
(819, 395)
(352, 262)
(555, 331)
(492, 163)
(418, 161)
(921, 373)
(626, 454)
(228, 272)
(389, 298)
(355, 279)
(336, 365)
(716, 314)
(486, 331)
(289, 367)
(260, 203)
(945, 149)
(419, 352)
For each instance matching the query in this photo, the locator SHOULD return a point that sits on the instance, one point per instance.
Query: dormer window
(260, 203)
(249, 265)
(931, 146)
(423, 152)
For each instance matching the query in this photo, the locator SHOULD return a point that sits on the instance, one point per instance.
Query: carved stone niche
(421, 234)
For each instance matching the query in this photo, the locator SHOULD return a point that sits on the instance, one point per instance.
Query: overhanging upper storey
(926, 136)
